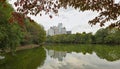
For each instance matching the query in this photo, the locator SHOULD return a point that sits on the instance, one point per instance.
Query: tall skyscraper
(60, 27)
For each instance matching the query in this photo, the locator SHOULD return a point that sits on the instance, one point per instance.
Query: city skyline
(59, 29)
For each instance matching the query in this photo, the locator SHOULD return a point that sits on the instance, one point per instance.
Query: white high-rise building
(60, 27)
(50, 32)
(63, 31)
(55, 30)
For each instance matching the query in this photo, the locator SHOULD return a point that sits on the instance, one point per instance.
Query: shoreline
(20, 48)
(27, 47)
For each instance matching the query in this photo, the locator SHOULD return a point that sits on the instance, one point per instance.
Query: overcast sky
(74, 20)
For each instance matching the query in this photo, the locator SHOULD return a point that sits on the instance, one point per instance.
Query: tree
(78, 38)
(89, 37)
(33, 7)
(100, 35)
(15, 29)
(113, 37)
(10, 34)
(108, 9)
(33, 32)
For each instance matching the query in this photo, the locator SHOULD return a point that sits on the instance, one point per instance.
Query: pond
(64, 57)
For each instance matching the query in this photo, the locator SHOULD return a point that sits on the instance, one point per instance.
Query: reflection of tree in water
(27, 59)
(57, 54)
(110, 53)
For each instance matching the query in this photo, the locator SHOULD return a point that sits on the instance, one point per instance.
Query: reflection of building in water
(57, 54)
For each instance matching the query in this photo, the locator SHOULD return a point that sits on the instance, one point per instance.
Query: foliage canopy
(108, 9)
(16, 30)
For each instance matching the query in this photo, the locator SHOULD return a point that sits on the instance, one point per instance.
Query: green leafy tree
(10, 34)
(16, 29)
(100, 35)
(113, 37)
(34, 32)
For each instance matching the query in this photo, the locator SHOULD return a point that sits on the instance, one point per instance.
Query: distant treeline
(102, 36)
(102, 51)
(17, 30)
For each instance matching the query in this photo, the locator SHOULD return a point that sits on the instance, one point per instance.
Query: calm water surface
(65, 57)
